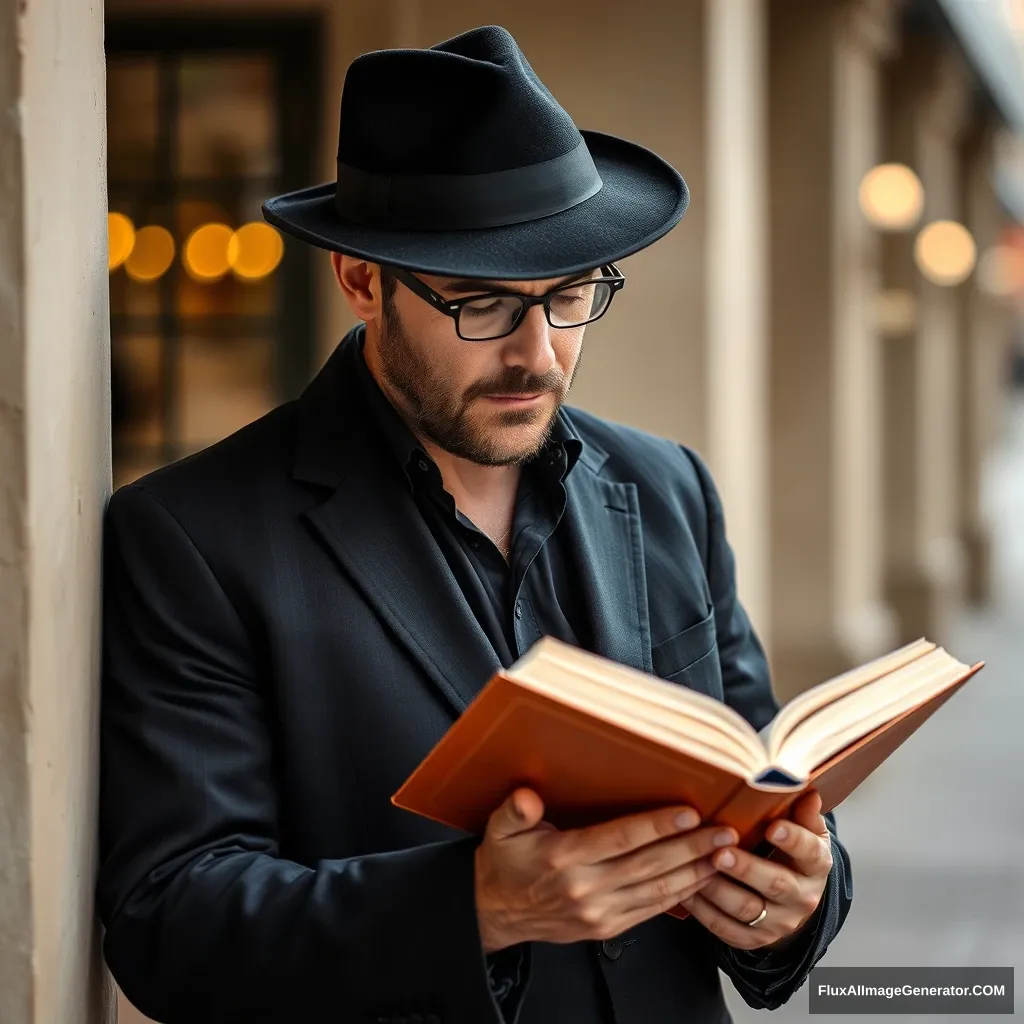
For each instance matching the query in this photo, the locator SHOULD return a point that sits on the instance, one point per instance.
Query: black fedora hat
(457, 160)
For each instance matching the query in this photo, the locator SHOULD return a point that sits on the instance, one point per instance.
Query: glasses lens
(579, 303)
(489, 318)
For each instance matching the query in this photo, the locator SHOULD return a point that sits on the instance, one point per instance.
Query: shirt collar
(402, 445)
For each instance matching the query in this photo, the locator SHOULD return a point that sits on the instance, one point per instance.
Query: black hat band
(454, 202)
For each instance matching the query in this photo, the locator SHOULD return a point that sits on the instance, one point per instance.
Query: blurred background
(836, 326)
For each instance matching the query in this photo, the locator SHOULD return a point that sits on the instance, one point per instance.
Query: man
(296, 615)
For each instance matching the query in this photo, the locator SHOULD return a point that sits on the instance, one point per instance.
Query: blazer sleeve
(765, 980)
(205, 920)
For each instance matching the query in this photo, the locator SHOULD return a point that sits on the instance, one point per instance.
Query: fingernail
(687, 819)
(780, 833)
(726, 859)
(724, 838)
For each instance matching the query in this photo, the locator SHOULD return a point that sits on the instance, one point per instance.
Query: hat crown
(469, 105)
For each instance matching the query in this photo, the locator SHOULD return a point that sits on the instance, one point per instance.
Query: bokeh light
(120, 239)
(152, 254)
(255, 250)
(206, 252)
(945, 252)
(891, 197)
(1001, 271)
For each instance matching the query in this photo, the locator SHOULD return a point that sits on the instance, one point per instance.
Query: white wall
(54, 479)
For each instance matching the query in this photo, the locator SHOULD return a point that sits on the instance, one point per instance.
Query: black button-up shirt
(536, 593)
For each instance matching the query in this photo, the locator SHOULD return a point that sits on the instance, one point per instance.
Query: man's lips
(516, 398)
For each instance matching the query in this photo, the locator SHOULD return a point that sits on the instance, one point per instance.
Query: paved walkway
(936, 836)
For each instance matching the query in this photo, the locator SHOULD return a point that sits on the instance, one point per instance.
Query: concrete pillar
(828, 610)
(927, 94)
(54, 479)
(984, 331)
(737, 322)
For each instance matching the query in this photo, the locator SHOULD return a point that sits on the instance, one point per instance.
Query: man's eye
(482, 307)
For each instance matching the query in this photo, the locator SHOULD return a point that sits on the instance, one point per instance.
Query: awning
(993, 50)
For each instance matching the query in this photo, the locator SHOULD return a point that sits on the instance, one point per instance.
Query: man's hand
(535, 883)
(789, 889)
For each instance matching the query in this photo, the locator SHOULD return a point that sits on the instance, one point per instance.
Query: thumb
(807, 812)
(521, 811)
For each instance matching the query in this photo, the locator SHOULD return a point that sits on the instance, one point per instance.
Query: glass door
(211, 308)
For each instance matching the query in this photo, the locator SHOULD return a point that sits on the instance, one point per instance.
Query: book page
(580, 692)
(843, 722)
(808, 703)
(683, 709)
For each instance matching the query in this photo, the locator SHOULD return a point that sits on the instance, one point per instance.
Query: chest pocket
(690, 658)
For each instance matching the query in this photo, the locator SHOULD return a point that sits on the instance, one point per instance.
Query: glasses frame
(453, 307)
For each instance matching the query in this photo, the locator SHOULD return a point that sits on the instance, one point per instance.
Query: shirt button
(423, 465)
(519, 609)
(612, 948)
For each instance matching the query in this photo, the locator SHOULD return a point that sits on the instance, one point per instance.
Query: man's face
(491, 402)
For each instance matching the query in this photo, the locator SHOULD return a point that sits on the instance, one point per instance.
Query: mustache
(518, 383)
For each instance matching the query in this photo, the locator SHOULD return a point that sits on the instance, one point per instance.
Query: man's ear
(360, 284)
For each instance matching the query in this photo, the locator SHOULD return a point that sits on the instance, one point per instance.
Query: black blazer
(283, 643)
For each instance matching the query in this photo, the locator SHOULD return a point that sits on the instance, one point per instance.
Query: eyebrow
(469, 285)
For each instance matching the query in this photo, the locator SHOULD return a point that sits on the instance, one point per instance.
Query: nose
(531, 344)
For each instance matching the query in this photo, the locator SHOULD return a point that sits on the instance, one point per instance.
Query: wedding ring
(760, 917)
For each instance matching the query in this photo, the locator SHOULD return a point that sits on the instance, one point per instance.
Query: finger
(665, 891)
(809, 853)
(740, 903)
(658, 859)
(777, 883)
(521, 811)
(807, 813)
(727, 928)
(611, 839)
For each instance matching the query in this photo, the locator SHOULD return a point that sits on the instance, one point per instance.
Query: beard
(441, 413)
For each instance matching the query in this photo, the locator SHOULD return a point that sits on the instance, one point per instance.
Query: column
(984, 330)
(828, 609)
(54, 480)
(737, 324)
(927, 94)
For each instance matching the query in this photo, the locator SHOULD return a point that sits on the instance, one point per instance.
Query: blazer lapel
(604, 523)
(382, 541)
(372, 527)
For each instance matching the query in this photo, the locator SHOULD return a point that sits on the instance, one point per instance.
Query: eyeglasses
(493, 315)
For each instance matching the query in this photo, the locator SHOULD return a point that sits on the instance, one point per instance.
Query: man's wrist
(492, 937)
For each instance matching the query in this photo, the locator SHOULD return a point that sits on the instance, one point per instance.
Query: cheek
(568, 349)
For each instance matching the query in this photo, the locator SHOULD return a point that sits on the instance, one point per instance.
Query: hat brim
(642, 197)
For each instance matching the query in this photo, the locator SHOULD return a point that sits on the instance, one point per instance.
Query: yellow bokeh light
(206, 252)
(255, 250)
(891, 197)
(152, 254)
(945, 252)
(120, 239)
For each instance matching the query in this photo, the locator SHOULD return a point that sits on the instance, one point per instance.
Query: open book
(597, 739)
